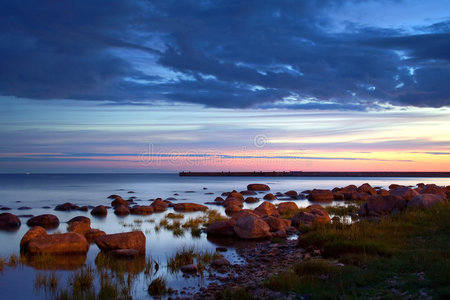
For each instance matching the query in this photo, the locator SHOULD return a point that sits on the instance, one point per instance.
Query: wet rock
(251, 200)
(317, 195)
(31, 234)
(92, 234)
(292, 194)
(65, 243)
(141, 210)
(5, 208)
(24, 208)
(188, 207)
(404, 192)
(312, 215)
(190, 269)
(47, 221)
(233, 201)
(280, 234)
(362, 196)
(286, 207)
(243, 213)
(338, 195)
(114, 196)
(267, 209)
(119, 201)
(159, 205)
(126, 240)
(220, 263)
(251, 228)
(81, 225)
(269, 196)
(235, 195)
(367, 188)
(66, 207)
(383, 192)
(122, 210)
(9, 221)
(232, 209)
(258, 187)
(394, 186)
(99, 211)
(426, 200)
(83, 208)
(433, 189)
(219, 199)
(221, 228)
(277, 223)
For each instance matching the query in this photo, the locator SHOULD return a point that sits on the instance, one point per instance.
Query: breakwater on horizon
(319, 174)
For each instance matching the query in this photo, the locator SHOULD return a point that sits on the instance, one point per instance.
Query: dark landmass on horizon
(320, 174)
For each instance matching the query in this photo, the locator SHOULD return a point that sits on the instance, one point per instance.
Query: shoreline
(318, 174)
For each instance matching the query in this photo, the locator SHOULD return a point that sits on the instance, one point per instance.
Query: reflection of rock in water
(134, 265)
(234, 242)
(54, 262)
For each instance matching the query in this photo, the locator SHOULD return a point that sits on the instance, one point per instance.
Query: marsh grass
(189, 255)
(82, 279)
(13, 261)
(402, 256)
(234, 294)
(46, 281)
(342, 211)
(174, 216)
(196, 233)
(158, 287)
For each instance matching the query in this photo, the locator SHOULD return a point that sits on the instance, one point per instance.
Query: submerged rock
(313, 214)
(317, 195)
(251, 227)
(31, 234)
(47, 221)
(66, 207)
(65, 243)
(269, 196)
(142, 210)
(258, 187)
(221, 228)
(9, 221)
(99, 211)
(187, 207)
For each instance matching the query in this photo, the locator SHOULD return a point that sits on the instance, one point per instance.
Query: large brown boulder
(338, 195)
(251, 228)
(267, 209)
(317, 195)
(99, 211)
(312, 215)
(231, 209)
(64, 243)
(433, 189)
(404, 192)
(47, 221)
(81, 225)
(66, 207)
(119, 201)
(251, 200)
(125, 240)
(286, 207)
(233, 201)
(122, 210)
(367, 188)
(276, 224)
(221, 228)
(248, 193)
(292, 194)
(142, 210)
(159, 205)
(236, 195)
(9, 221)
(189, 207)
(258, 187)
(426, 200)
(31, 234)
(243, 213)
(378, 205)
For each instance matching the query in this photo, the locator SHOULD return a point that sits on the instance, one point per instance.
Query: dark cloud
(218, 53)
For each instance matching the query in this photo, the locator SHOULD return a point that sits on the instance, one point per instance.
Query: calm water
(38, 190)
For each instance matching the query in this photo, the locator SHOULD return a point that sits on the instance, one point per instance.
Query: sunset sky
(168, 86)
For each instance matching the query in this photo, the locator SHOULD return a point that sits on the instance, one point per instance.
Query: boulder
(243, 213)
(282, 234)
(159, 205)
(248, 193)
(362, 196)
(235, 195)
(232, 209)
(190, 269)
(251, 200)
(367, 188)
(114, 196)
(317, 195)
(47, 221)
(312, 215)
(31, 234)
(9, 221)
(92, 234)
(99, 211)
(225, 227)
(66, 207)
(220, 263)
(119, 201)
(276, 224)
(125, 240)
(258, 187)
(426, 200)
(219, 199)
(383, 192)
(122, 210)
(286, 207)
(251, 227)
(267, 209)
(378, 205)
(269, 196)
(404, 192)
(292, 194)
(433, 189)
(233, 201)
(81, 226)
(187, 207)
(338, 195)
(394, 186)
(81, 219)
(64, 243)
(141, 210)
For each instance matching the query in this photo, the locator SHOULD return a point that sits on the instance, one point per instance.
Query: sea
(29, 195)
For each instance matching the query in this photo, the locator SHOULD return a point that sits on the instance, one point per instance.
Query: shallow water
(38, 190)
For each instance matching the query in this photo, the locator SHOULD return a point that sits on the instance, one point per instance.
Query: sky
(169, 86)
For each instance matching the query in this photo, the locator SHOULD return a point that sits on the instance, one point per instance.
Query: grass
(2, 264)
(234, 294)
(189, 255)
(46, 281)
(13, 261)
(157, 287)
(174, 216)
(403, 256)
(82, 279)
(341, 210)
